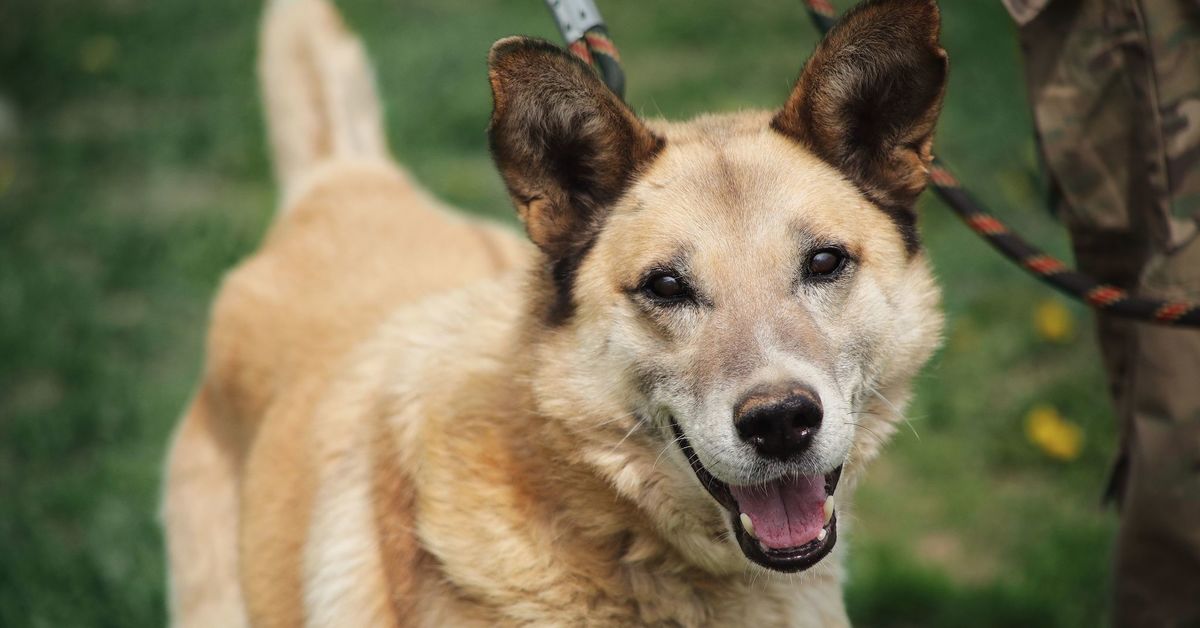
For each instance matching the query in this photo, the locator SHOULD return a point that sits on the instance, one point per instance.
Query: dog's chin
(786, 525)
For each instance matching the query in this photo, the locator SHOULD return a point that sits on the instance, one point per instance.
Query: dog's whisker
(895, 410)
(665, 448)
(885, 400)
(615, 419)
(870, 431)
(627, 435)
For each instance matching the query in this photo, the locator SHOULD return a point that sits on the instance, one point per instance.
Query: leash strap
(584, 30)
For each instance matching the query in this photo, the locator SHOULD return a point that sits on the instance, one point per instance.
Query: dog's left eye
(826, 262)
(666, 287)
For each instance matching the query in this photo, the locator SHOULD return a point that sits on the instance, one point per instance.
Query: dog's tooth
(829, 505)
(748, 525)
(822, 534)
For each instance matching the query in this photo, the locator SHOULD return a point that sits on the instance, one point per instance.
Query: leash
(583, 29)
(587, 38)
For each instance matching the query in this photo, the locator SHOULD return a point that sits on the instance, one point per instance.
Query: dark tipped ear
(868, 99)
(565, 145)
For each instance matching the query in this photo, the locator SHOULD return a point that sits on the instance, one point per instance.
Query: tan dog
(409, 418)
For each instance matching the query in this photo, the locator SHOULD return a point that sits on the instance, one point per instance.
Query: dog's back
(354, 239)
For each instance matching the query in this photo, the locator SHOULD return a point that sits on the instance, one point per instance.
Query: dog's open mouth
(788, 524)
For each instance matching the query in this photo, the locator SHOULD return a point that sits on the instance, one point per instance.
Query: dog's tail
(319, 90)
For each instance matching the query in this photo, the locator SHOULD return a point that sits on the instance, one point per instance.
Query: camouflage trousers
(1115, 90)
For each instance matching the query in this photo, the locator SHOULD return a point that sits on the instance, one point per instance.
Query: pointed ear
(565, 145)
(868, 99)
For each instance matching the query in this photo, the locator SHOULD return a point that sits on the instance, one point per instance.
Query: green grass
(133, 173)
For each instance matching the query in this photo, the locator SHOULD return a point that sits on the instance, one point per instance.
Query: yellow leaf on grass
(1056, 436)
(1053, 321)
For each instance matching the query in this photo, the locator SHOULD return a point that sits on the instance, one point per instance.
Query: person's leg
(1157, 563)
(1157, 578)
(1115, 88)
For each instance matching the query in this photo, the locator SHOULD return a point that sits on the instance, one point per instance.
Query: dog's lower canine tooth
(829, 504)
(822, 534)
(748, 525)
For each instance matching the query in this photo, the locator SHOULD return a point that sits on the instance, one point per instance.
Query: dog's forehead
(732, 177)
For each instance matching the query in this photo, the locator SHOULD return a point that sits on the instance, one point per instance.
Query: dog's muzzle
(788, 524)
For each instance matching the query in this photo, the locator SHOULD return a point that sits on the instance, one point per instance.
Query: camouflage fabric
(1115, 89)
(1023, 11)
(1116, 97)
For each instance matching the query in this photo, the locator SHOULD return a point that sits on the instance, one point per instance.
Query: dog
(650, 411)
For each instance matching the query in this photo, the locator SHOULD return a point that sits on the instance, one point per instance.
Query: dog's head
(749, 286)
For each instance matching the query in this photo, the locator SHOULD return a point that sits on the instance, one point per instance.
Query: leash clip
(575, 17)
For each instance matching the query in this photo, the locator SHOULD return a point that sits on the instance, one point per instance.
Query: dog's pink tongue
(786, 513)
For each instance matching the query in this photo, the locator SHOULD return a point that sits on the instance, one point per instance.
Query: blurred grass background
(133, 174)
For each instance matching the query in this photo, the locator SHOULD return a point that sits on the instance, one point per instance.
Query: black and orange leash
(584, 30)
(586, 35)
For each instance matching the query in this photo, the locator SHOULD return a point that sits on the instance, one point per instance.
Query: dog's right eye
(666, 287)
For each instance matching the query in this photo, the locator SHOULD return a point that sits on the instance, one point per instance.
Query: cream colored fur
(387, 434)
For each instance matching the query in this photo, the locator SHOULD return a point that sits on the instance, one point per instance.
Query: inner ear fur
(868, 99)
(565, 145)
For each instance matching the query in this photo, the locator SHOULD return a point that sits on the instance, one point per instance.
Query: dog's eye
(826, 262)
(667, 287)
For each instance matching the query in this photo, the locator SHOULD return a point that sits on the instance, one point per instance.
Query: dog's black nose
(778, 421)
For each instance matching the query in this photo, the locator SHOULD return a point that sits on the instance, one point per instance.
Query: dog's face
(749, 285)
